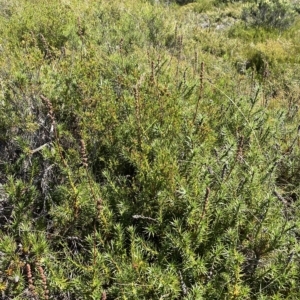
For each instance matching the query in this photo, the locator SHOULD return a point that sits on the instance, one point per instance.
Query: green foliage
(144, 155)
(277, 14)
(232, 1)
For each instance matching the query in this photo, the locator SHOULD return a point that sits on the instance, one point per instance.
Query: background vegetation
(149, 149)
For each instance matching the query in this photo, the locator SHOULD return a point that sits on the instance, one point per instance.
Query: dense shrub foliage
(147, 151)
(278, 14)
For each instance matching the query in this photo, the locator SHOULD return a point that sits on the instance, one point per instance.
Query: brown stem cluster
(44, 281)
(83, 153)
(31, 286)
(47, 54)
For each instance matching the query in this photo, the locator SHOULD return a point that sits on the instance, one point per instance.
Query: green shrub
(136, 163)
(277, 14)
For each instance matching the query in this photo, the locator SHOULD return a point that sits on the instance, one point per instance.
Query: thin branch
(38, 148)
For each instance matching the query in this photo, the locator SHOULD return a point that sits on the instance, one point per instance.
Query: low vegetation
(149, 149)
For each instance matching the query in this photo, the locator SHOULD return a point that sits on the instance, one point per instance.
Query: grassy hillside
(149, 149)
